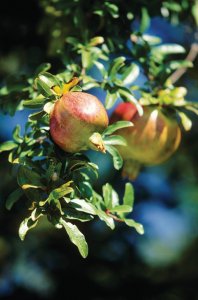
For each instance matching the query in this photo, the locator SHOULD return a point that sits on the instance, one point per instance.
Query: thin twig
(190, 57)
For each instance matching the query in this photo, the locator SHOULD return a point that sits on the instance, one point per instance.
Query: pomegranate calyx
(96, 142)
(66, 87)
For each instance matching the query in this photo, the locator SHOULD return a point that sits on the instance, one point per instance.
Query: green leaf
(121, 209)
(145, 20)
(108, 220)
(129, 195)
(110, 99)
(7, 146)
(90, 85)
(139, 228)
(167, 49)
(49, 79)
(126, 94)
(84, 206)
(100, 67)
(73, 214)
(87, 60)
(192, 108)
(151, 39)
(76, 237)
(76, 88)
(195, 11)
(115, 126)
(130, 74)
(28, 178)
(34, 103)
(36, 116)
(115, 140)
(13, 198)
(116, 64)
(26, 225)
(16, 134)
(186, 122)
(177, 64)
(113, 9)
(48, 107)
(43, 87)
(59, 192)
(117, 158)
(42, 68)
(107, 195)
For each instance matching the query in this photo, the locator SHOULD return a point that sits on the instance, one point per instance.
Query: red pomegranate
(154, 137)
(76, 122)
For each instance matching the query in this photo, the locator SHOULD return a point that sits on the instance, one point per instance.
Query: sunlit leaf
(139, 228)
(115, 140)
(128, 195)
(115, 126)
(76, 237)
(117, 158)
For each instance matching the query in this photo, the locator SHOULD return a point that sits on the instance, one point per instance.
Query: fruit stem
(96, 142)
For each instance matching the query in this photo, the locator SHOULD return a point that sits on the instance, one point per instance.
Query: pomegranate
(154, 137)
(76, 121)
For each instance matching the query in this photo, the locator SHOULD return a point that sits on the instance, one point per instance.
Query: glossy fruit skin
(74, 118)
(154, 137)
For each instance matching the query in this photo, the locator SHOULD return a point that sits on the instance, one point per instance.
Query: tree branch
(190, 57)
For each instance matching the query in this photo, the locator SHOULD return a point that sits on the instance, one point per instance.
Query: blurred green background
(162, 264)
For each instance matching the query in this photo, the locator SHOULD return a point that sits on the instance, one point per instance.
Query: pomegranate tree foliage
(87, 36)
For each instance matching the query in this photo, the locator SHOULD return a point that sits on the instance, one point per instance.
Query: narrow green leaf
(13, 198)
(36, 116)
(139, 228)
(26, 225)
(16, 134)
(28, 178)
(186, 122)
(192, 108)
(107, 195)
(61, 191)
(115, 140)
(129, 195)
(100, 67)
(151, 39)
(195, 11)
(76, 237)
(90, 85)
(116, 64)
(121, 209)
(115, 126)
(43, 87)
(108, 220)
(42, 68)
(177, 64)
(49, 79)
(145, 20)
(110, 99)
(126, 94)
(7, 146)
(84, 206)
(130, 74)
(34, 103)
(117, 158)
(166, 49)
(87, 60)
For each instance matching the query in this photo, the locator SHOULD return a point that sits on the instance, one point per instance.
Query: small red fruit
(76, 121)
(154, 137)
